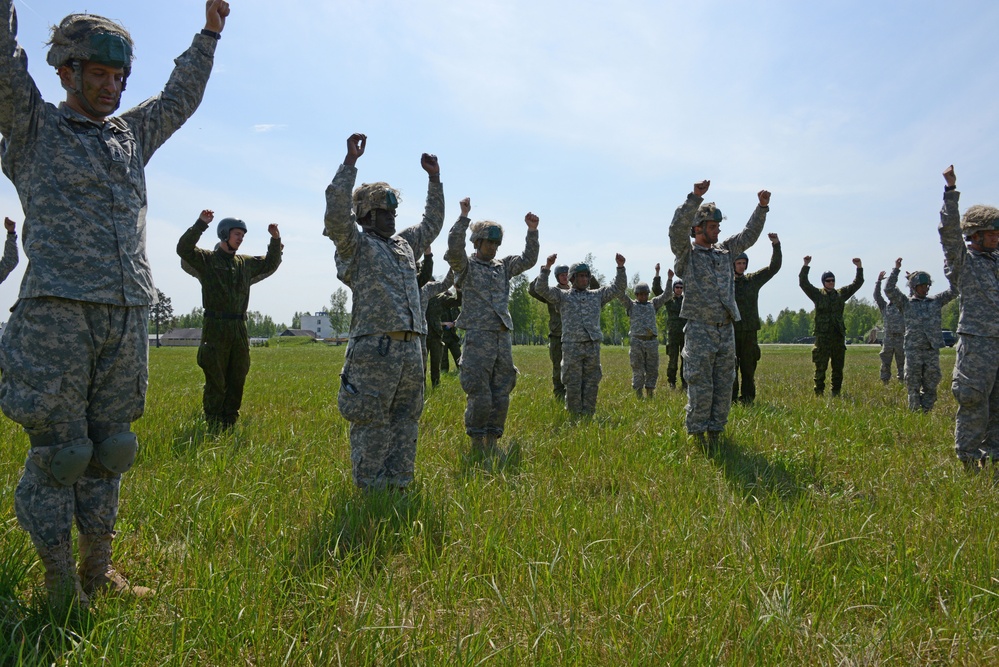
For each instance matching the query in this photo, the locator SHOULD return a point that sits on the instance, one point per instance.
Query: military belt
(215, 315)
(404, 336)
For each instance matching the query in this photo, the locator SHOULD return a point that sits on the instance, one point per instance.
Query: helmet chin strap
(78, 92)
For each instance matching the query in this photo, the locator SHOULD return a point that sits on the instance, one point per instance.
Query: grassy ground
(824, 531)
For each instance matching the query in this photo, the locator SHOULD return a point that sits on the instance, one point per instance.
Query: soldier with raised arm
(9, 260)
(893, 337)
(747, 297)
(487, 371)
(709, 305)
(381, 384)
(830, 328)
(74, 354)
(971, 248)
(643, 335)
(554, 328)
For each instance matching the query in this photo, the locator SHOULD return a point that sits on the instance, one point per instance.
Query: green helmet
(578, 267)
(979, 218)
(487, 230)
(226, 225)
(374, 196)
(88, 37)
(705, 212)
(917, 278)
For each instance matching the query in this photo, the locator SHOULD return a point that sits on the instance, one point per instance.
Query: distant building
(298, 332)
(181, 338)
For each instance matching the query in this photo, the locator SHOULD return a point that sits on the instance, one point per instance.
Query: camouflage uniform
(381, 388)
(74, 356)
(487, 371)
(643, 338)
(450, 312)
(923, 341)
(976, 370)
(747, 349)
(674, 334)
(581, 337)
(9, 260)
(430, 293)
(830, 329)
(435, 342)
(224, 353)
(710, 309)
(554, 338)
(892, 345)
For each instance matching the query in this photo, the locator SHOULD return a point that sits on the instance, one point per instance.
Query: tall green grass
(823, 531)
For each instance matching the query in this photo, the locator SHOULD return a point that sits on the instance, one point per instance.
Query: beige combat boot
(96, 571)
(61, 580)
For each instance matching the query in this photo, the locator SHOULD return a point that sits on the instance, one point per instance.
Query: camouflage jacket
(580, 309)
(225, 279)
(747, 291)
(85, 180)
(429, 292)
(829, 304)
(485, 285)
(643, 315)
(894, 317)
(9, 260)
(674, 323)
(438, 309)
(708, 276)
(554, 317)
(381, 273)
(922, 316)
(975, 274)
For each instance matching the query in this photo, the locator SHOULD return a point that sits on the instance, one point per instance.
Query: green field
(825, 531)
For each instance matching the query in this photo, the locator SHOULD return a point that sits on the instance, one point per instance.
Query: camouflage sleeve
(419, 237)
(456, 257)
(626, 302)
(552, 295)
(776, 261)
(810, 290)
(950, 236)
(744, 240)
(436, 287)
(154, 120)
(9, 260)
(339, 224)
(426, 273)
(878, 299)
(657, 285)
(517, 264)
(534, 292)
(268, 265)
(852, 288)
(894, 293)
(679, 231)
(609, 292)
(19, 96)
(665, 297)
(187, 246)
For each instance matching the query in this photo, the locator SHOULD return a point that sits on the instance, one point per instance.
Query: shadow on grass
(364, 530)
(506, 464)
(754, 475)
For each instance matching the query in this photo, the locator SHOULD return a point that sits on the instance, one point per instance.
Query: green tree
(339, 317)
(161, 315)
(950, 315)
(193, 320)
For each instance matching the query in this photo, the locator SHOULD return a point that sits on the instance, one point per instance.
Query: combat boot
(61, 579)
(638, 392)
(479, 450)
(649, 391)
(96, 572)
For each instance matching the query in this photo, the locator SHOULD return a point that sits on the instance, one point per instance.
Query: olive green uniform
(747, 347)
(830, 329)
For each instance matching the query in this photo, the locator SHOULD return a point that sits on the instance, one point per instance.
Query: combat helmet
(827, 275)
(487, 230)
(374, 196)
(83, 38)
(677, 283)
(980, 218)
(226, 225)
(642, 287)
(578, 267)
(561, 268)
(917, 278)
(706, 212)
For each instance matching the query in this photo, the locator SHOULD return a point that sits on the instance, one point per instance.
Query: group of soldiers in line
(74, 356)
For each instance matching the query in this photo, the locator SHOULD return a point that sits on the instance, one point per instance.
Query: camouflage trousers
(224, 356)
(826, 350)
(581, 375)
(922, 375)
(709, 369)
(487, 377)
(555, 354)
(452, 344)
(435, 348)
(892, 348)
(674, 347)
(381, 395)
(976, 388)
(644, 357)
(747, 355)
(74, 373)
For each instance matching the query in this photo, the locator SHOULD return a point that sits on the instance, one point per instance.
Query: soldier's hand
(881, 276)
(657, 268)
(429, 163)
(701, 189)
(355, 148)
(272, 229)
(207, 216)
(619, 258)
(949, 176)
(898, 263)
(532, 221)
(466, 206)
(551, 261)
(9, 225)
(773, 238)
(764, 198)
(808, 258)
(215, 13)
(856, 262)
(669, 274)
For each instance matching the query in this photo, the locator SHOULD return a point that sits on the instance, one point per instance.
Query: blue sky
(598, 117)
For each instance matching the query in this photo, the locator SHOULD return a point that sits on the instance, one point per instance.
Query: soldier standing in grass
(580, 308)
(643, 335)
(9, 260)
(554, 328)
(450, 312)
(224, 353)
(381, 384)
(709, 305)
(487, 371)
(893, 338)
(830, 329)
(747, 297)
(970, 248)
(75, 353)
(923, 339)
(674, 331)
